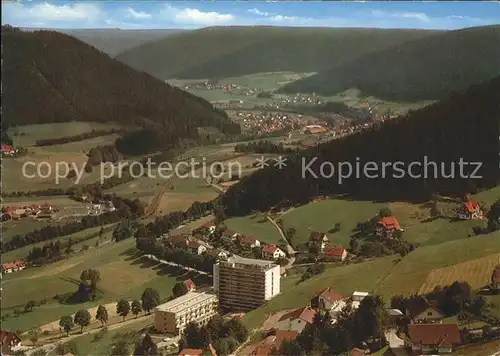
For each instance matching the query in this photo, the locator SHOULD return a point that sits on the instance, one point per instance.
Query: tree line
(125, 208)
(87, 85)
(224, 335)
(439, 133)
(263, 146)
(76, 138)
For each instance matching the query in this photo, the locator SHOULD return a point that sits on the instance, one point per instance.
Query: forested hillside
(114, 41)
(52, 77)
(221, 52)
(426, 68)
(465, 126)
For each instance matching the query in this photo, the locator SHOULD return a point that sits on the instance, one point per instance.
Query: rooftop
(243, 262)
(186, 301)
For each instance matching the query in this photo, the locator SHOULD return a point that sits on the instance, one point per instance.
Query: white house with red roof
(272, 252)
(331, 301)
(297, 319)
(248, 241)
(388, 225)
(13, 266)
(195, 247)
(337, 253)
(470, 210)
(8, 150)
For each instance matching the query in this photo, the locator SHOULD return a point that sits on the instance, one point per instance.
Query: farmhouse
(180, 240)
(8, 150)
(195, 247)
(297, 319)
(337, 253)
(230, 233)
(441, 338)
(470, 210)
(495, 278)
(318, 239)
(272, 252)
(209, 225)
(388, 225)
(9, 342)
(247, 241)
(329, 300)
(13, 266)
(420, 310)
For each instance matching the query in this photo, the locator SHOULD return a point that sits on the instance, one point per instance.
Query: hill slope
(464, 126)
(52, 77)
(115, 41)
(427, 68)
(221, 52)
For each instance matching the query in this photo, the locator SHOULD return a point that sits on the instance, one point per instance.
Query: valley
(155, 199)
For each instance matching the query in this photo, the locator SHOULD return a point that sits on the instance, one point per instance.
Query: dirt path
(290, 250)
(155, 202)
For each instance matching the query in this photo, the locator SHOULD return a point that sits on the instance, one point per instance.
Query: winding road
(290, 250)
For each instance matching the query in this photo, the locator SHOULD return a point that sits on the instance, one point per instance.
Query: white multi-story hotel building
(244, 284)
(173, 316)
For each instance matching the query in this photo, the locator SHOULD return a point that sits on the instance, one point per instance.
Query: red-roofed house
(329, 300)
(440, 338)
(284, 335)
(230, 233)
(319, 239)
(189, 285)
(248, 241)
(470, 210)
(388, 225)
(13, 266)
(338, 253)
(9, 342)
(191, 352)
(8, 150)
(297, 319)
(209, 225)
(195, 247)
(272, 252)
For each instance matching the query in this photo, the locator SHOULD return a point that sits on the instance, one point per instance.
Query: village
(248, 273)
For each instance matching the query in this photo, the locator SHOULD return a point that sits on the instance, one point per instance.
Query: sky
(191, 15)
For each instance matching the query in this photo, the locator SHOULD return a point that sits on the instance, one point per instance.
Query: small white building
(272, 252)
(357, 297)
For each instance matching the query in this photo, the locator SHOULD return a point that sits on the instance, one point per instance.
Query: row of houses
(426, 332)
(9, 151)
(42, 211)
(13, 266)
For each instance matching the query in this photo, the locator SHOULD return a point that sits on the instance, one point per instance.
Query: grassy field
(387, 276)
(123, 275)
(256, 226)
(67, 207)
(27, 135)
(51, 160)
(476, 272)
(323, 215)
(88, 345)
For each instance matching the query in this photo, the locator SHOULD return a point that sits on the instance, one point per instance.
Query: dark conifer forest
(463, 126)
(51, 77)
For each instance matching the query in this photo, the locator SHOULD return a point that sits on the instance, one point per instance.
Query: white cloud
(258, 12)
(195, 16)
(139, 15)
(414, 15)
(405, 15)
(46, 12)
(281, 18)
